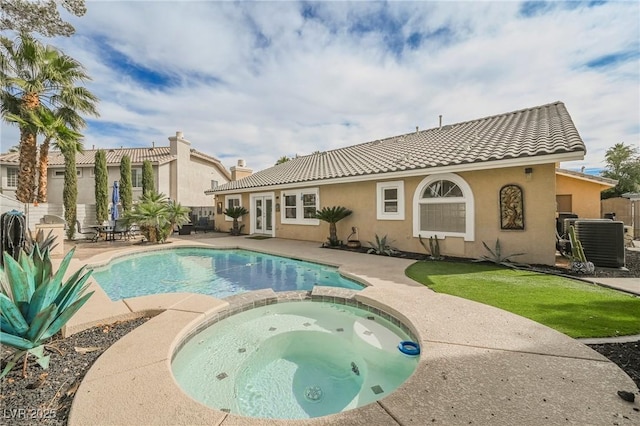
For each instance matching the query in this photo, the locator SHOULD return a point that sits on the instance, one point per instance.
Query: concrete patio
(479, 364)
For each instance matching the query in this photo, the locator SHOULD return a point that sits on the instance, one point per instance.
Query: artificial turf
(573, 307)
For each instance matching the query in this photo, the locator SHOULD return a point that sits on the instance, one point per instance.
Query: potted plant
(236, 213)
(579, 263)
(332, 215)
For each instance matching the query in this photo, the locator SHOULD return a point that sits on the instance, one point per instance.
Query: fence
(86, 213)
(625, 210)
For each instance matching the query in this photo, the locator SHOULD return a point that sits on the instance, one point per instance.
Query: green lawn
(572, 307)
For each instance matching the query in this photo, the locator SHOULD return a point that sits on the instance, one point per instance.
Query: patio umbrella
(115, 199)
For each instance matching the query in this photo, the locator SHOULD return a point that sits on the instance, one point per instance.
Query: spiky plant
(39, 240)
(333, 215)
(496, 256)
(35, 303)
(381, 246)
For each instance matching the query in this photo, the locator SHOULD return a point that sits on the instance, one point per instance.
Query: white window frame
(15, 176)
(59, 174)
(398, 185)
(467, 199)
(228, 198)
(299, 219)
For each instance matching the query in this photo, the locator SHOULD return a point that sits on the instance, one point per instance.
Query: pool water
(294, 360)
(218, 273)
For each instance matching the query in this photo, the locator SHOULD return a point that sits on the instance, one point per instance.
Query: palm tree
(282, 159)
(177, 215)
(52, 126)
(157, 216)
(236, 213)
(33, 76)
(332, 215)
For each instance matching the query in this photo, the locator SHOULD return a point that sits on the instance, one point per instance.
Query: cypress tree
(70, 191)
(102, 186)
(126, 190)
(147, 177)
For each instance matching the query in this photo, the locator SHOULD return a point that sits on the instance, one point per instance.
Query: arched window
(443, 206)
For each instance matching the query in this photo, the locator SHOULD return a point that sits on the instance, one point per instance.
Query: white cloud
(258, 80)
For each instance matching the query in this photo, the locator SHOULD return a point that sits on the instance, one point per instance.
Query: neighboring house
(579, 193)
(180, 172)
(464, 183)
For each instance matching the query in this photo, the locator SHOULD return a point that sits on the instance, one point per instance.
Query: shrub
(35, 304)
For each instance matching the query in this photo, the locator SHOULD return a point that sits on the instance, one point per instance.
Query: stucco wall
(585, 200)
(537, 240)
(194, 178)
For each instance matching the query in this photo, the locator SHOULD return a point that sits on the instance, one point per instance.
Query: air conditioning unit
(602, 241)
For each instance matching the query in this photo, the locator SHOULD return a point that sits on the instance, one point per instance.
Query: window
(300, 206)
(232, 201)
(390, 200)
(443, 206)
(12, 177)
(136, 178)
(214, 184)
(60, 173)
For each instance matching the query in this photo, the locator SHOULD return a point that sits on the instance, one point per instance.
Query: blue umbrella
(115, 199)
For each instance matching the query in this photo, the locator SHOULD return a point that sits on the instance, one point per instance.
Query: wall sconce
(528, 173)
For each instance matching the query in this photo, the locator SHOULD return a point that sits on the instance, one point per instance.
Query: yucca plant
(35, 303)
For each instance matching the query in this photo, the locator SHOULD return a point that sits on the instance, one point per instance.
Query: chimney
(153, 144)
(417, 129)
(240, 171)
(440, 121)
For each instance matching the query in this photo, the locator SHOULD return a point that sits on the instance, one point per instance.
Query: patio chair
(203, 224)
(122, 229)
(91, 233)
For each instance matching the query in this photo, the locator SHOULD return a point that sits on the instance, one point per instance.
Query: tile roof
(533, 132)
(157, 155)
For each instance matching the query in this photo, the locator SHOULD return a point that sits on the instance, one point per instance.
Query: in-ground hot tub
(295, 360)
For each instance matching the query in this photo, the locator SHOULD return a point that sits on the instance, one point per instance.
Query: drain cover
(313, 393)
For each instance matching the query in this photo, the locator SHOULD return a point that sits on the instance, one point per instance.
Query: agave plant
(381, 246)
(44, 243)
(35, 303)
(496, 256)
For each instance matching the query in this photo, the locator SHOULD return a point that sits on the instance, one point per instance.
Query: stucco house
(180, 172)
(579, 193)
(464, 183)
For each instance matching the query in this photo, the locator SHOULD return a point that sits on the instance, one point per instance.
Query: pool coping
(479, 364)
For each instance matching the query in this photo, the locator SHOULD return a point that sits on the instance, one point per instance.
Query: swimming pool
(215, 272)
(293, 360)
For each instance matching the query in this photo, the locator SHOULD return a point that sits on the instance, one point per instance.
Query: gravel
(44, 397)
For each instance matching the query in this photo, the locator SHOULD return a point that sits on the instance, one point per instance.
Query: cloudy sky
(260, 80)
